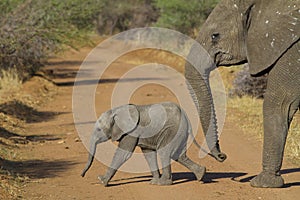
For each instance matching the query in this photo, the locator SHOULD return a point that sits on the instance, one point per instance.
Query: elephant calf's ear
(116, 132)
(125, 120)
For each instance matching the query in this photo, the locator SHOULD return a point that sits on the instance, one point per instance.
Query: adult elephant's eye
(215, 37)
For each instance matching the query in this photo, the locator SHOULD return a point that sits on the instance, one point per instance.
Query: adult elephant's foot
(199, 173)
(103, 180)
(267, 180)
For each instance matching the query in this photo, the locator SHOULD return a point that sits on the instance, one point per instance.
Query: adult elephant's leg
(151, 157)
(280, 104)
(123, 153)
(198, 170)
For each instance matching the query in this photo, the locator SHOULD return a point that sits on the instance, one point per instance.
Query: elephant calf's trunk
(88, 165)
(93, 144)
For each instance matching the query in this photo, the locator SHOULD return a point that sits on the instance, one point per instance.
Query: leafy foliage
(7, 6)
(80, 13)
(120, 15)
(33, 29)
(184, 16)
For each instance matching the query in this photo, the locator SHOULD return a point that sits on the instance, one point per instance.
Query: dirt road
(55, 164)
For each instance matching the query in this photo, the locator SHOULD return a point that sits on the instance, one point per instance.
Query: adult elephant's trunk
(92, 152)
(197, 76)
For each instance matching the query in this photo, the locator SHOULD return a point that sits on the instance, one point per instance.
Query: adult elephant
(265, 34)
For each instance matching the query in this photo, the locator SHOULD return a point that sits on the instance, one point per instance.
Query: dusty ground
(54, 164)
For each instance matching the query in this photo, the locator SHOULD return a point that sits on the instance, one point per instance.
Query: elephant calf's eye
(215, 37)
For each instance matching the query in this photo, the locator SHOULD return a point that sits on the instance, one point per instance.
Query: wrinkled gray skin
(265, 34)
(158, 129)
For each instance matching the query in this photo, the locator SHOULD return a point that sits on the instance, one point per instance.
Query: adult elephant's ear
(273, 27)
(125, 120)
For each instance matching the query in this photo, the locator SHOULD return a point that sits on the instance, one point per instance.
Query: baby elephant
(158, 129)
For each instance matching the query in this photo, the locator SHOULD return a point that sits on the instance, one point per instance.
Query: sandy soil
(55, 163)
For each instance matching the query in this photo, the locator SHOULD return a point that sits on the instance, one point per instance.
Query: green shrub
(120, 15)
(184, 16)
(81, 14)
(7, 6)
(31, 30)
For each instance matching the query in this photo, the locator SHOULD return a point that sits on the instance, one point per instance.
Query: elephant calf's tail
(215, 152)
(190, 132)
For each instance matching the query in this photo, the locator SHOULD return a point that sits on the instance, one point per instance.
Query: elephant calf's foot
(154, 181)
(103, 180)
(161, 181)
(199, 173)
(267, 180)
(165, 181)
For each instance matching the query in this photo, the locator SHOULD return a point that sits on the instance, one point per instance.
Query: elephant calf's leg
(107, 177)
(151, 157)
(122, 154)
(166, 177)
(120, 157)
(198, 170)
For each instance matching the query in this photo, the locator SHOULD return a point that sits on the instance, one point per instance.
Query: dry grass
(292, 149)
(247, 112)
(18, 103)
(10, 185)
(9, 81)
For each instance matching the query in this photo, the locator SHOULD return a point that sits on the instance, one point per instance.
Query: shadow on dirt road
(37, 169)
